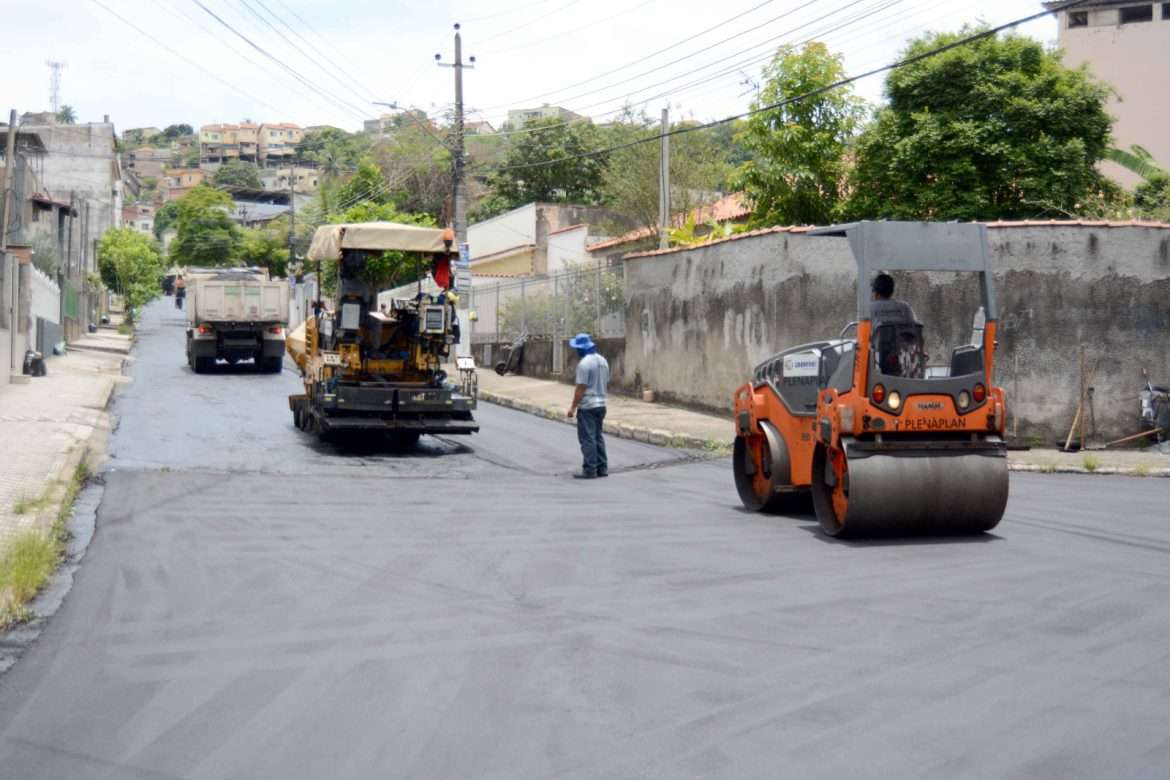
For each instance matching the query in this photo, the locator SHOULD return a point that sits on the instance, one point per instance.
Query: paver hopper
(884, 443)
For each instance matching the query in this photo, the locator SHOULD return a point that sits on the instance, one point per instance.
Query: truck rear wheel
(271, 365)
(203, 365)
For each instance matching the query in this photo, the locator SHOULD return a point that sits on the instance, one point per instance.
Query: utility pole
(459, 198)
(664, 184)
(292, 224)
(10, 270)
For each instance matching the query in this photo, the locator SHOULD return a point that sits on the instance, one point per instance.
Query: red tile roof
(729, 207)
(567, 229)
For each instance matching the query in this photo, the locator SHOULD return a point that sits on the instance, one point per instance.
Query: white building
(1126, 44)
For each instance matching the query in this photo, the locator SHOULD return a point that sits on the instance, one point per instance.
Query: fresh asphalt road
(258, 605)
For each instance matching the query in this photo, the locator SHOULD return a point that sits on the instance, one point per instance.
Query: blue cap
(582, 341)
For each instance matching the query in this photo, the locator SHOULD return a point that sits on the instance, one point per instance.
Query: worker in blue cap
(589, 406)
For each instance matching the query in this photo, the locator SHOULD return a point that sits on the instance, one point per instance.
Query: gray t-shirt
(593, 372)
(891, 311)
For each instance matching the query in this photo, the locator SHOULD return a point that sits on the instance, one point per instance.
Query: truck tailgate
(241, 301)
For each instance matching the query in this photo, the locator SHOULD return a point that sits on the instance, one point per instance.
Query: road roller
(884, 441)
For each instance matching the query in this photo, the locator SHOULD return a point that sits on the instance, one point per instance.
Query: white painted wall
(516, 228)
(567, 248)
(46, 297)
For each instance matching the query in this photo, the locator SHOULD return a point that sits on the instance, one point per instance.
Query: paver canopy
(329, 240)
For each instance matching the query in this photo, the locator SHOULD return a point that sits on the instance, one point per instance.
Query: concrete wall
(540, 360)
(45, 304)
(698, 320)
(1131, 58)
(82, 159)
(567, 248)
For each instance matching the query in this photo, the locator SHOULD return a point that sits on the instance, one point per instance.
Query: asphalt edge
(664, 438)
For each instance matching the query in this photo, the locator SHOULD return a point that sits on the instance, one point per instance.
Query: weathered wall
(699, 320)
(539, 363)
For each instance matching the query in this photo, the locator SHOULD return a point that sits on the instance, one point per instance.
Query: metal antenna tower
(55, 69)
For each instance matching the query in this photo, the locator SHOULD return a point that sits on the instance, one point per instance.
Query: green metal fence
(69, 303)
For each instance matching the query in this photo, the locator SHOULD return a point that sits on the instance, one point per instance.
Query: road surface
(258, 605)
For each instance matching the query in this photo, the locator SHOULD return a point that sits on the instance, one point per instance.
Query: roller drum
(910, 493)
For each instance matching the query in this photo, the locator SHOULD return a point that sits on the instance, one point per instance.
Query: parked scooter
(1155, 402)
(514, 362)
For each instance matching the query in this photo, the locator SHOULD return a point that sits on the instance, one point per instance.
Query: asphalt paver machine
(884, 442)
(378, 370)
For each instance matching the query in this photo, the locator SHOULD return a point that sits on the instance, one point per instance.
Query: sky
(158, 62)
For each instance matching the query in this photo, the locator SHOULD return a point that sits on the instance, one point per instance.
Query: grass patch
(1090, 462)
(1048, 468)
(716, 447)
(25, 505)
(28, 559)
(125, 329)
(1142, 469)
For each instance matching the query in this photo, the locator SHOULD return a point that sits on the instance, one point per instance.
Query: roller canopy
(329, 240)
(916, 246)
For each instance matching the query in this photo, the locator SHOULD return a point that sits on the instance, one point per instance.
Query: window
(1166, 10)
(1132, 14)
(1078, 19)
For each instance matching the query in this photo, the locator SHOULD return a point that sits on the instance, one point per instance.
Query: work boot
(602, 472)
(584, 475)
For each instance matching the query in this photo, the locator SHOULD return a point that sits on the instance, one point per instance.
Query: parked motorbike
(1155, 402)
(515, 358)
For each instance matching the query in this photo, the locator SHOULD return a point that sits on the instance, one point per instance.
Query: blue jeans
(589, 423)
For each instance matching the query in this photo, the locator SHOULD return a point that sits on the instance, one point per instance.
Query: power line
(292, 43)
(292, 71)
(184, 58)
(638, 61)
(546, 38)
(326, 57)
(883, 5)
(989, 32)
(530, 22)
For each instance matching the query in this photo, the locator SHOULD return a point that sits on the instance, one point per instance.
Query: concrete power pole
(664, 184)
(10, 269)
(462, 268)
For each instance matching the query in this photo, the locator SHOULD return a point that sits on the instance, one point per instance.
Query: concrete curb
(77, 454)
(664, 438)
(620, 430)
(1046, 468)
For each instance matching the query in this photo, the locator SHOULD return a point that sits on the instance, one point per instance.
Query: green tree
(630, 182)
(367, 184)
(206, 234)
(130, 265)
(386, 269)
(173, 132)
(266, 247)
(796, 174)
(234, 174)
(542, 164)
(67, 116)
(166, 216)
(1152, 197)
(994, 129)
(417, 169)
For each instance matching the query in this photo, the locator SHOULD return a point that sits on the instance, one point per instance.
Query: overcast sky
(184, 65)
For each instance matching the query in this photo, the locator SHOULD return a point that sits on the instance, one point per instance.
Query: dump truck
(883, 441)
(235, 314)
(375, 371)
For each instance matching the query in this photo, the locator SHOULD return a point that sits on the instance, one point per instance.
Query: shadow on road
(900, 540)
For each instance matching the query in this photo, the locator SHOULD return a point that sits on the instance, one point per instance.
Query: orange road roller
(885, 443)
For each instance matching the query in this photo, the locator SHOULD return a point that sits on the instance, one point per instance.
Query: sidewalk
(46, 426)
(664, 425)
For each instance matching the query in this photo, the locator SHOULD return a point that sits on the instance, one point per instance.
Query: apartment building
(138, 135)
(148, 162)
(517, 117)
(140, 217)
(179, 181)
(1126, 44)
(220, 143)
(303, 179)
(277, 143)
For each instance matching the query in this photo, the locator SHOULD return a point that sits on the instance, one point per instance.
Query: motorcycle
(515, 359)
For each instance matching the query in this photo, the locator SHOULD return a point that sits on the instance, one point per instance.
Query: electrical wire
(182, 57)
(977, 36)
(283, 65)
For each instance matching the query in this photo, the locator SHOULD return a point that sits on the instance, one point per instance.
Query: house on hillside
(534, 240)
(1125, 44)
(177, 182)
(730, 209)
